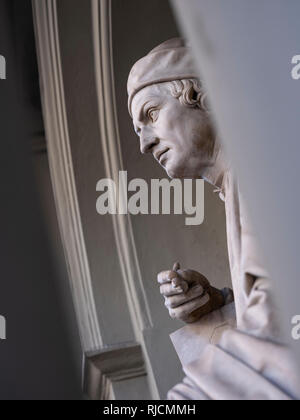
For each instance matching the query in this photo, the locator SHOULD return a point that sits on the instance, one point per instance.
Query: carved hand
(189, 295)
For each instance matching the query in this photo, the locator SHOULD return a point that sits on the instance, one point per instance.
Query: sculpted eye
(153, 114)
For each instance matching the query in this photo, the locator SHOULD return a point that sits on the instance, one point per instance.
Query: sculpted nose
(147, 142)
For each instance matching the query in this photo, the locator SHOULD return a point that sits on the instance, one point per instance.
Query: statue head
(168, 106)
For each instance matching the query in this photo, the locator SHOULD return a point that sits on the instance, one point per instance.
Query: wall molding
(112, 365)
(62, 172)
(111, 147)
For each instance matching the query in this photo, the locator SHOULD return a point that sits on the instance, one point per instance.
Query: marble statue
(231, 346)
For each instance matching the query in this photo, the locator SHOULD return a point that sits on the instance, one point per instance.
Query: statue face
(180, 138)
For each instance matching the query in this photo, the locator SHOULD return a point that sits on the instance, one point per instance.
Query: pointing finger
(176, 266)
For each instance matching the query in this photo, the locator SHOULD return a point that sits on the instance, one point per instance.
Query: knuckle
(167, 303)
(162, 290)
(172, 313)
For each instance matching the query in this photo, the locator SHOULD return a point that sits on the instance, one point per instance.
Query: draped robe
(236, 353)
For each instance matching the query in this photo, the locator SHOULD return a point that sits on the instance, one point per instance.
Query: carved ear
(204, 102)
(195, 95)
(199, 98)
(191, 96)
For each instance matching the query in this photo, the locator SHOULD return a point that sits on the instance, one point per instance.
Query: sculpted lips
(159, 154)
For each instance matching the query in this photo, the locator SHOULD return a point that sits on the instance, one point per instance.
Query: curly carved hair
(189, 92)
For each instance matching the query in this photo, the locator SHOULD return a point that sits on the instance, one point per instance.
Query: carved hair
(189, 92)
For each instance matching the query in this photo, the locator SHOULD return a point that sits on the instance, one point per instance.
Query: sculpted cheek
(165, 121)
(169, 116)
